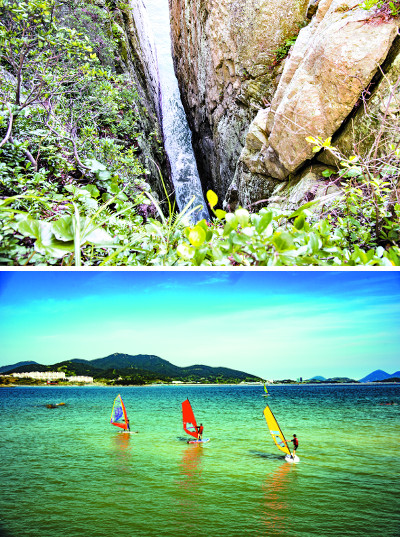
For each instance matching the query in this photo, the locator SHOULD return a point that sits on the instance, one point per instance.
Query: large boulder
(333, 61)
(374, 126)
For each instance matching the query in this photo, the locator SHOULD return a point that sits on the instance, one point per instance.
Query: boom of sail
(118, 414)
(275, 431)
(189, 421)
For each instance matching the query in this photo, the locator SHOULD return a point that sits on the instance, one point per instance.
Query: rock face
(377, 112)
(332, 62)
(225, 60)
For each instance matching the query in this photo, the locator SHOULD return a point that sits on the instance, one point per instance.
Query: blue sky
(275, 324)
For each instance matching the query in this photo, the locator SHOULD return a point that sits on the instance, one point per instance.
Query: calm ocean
(67, 472)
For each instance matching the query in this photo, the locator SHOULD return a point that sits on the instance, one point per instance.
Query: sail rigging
(275, 431)
(119, 417)
(189, 421)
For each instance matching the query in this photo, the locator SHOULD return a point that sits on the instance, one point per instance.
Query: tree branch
(10, 123)
(28, 155)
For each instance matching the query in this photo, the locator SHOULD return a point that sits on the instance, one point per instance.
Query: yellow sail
(275, 431)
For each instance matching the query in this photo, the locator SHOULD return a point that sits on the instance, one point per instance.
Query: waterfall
(177, 135)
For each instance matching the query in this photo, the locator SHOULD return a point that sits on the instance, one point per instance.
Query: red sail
(189, 421)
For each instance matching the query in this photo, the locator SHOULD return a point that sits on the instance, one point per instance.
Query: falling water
(177, 135)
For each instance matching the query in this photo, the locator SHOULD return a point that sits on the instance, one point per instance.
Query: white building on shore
(42, 375)
(80, 378)
(53, 375)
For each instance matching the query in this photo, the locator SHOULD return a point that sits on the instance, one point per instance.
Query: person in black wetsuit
(200, 431)
(295, 445)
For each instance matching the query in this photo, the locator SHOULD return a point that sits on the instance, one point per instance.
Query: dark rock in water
(55, 406)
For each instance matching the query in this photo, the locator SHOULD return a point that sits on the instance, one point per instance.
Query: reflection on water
(189, 493)
(121, 457)
(122, 444)
(275, 509)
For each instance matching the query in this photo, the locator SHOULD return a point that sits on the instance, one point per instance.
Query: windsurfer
(200, 431)
(127, 426)
(295, 445)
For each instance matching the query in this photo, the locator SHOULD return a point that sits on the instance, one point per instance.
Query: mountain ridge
(145, 365)
(5, 368)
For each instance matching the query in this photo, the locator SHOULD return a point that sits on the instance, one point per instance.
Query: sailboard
(190, 425)
(278, 436)
(266, 394)
(119, 417)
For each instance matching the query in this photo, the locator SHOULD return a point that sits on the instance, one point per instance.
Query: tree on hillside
(41, 63)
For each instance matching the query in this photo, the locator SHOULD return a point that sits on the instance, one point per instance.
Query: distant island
(141, 369)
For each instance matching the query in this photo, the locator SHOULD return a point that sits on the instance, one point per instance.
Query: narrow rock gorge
(137, 59)
(251, 106)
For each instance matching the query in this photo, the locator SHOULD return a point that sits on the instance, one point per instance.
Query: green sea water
(66, 471)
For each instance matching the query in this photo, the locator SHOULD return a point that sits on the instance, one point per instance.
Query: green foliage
(392, 8)
(70, 180)
(283, 50)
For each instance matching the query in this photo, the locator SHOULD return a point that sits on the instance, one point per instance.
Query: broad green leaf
(94, 165)
(53, 247)
(97, 236)
(185, 251)
(93, 190)
(231, 220)
(327, 142)
(264, 222)
(299, 222)
(243, 216)
(220, 214)
(197, 236)
(324, 227)
(34, 228)
(104, 175)
(282, 241)
(63, 229)
(203, 224)
(302, 208)
(46, 243)
(200, 255)
(212, 198)
(314, 242)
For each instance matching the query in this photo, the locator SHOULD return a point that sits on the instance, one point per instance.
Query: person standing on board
(295, 445)
(127, 426)
(200, 431)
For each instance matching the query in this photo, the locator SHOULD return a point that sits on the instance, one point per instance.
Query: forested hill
(142, 368)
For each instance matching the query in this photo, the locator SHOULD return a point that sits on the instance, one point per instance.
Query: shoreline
(100, 385)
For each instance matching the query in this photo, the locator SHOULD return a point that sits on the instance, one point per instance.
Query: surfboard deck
(289, 459)
(203, 441)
